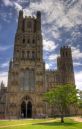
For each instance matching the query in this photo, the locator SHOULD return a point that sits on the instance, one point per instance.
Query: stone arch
(26, 107)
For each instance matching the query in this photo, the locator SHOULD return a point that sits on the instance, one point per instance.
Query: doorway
(26, 109)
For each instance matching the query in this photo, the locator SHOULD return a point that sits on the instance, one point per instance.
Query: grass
(41, 124)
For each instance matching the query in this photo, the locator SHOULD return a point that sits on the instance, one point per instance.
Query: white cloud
(27, 12)
(7, 2)
(14, 4)
(64, 14)
(6, 16)
(49, 45)
(74, 13)
(42, 6)
(76, 34)
(55, 34)
(77, 64)
(76, 53)
(6, 64)
(53, 57)
(17, 6)
(47, 66)
(4, 77)
(4, 48)
(78, 79)
(50, 65)
(60, 12)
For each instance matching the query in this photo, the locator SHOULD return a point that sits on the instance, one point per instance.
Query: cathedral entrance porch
(26, 109)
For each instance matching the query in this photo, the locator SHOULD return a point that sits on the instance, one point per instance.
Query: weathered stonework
(28, 79)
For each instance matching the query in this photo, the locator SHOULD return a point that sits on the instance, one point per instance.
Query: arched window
(23, 40)
(33, 55)
(33, 41)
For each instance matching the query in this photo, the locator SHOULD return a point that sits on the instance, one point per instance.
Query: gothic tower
(27, 70)
(27, 77)
(65, 65)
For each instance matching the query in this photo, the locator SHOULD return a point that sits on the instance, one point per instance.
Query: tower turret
(2, 85)
(28, 39)
(38, 21)
(20, 21)
(65, 65)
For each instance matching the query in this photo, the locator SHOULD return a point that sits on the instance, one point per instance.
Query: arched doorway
(26, 109)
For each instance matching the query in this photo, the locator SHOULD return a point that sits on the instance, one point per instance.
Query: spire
(2, 85)
(39, 14)
(10, 65)
(38, 21)
(20, 13)
(20, 20)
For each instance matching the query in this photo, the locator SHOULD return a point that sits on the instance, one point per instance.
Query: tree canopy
(62, 96)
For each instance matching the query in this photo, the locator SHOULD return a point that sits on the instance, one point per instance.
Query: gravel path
(78, 119)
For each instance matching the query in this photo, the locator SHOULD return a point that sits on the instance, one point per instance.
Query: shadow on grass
(57, 124)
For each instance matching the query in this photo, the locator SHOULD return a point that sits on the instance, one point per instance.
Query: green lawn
(40, 124)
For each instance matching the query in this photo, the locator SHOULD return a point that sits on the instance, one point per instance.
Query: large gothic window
(27, 79)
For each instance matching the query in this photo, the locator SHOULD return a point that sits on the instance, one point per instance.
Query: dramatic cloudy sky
(61, 25)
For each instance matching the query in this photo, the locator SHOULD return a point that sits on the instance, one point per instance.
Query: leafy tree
(62, 97)
(80, 101)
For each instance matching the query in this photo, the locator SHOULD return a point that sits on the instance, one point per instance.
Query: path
(78, 119)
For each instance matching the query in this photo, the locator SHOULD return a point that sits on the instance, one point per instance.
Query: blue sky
(61, 25)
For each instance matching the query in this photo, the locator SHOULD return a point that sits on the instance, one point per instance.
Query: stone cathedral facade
(27, 78)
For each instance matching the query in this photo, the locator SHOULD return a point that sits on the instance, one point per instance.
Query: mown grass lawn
(40, 124)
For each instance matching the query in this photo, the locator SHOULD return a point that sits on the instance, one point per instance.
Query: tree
(80, 101)
(62, 97)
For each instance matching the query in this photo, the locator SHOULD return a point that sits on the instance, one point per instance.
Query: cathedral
(28, 79)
